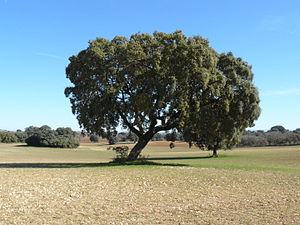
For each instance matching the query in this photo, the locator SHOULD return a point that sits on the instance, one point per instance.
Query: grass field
(56, 186)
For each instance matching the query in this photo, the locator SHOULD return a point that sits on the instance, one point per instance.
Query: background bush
(94, 138)
(46, 137)
(8, 137)
(21, 135)
(276, 136)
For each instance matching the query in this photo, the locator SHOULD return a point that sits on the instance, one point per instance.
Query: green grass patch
(285, 159)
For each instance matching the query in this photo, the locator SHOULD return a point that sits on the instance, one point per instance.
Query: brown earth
(147, 195)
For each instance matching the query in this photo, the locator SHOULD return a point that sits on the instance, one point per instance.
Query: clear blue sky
(37, 37)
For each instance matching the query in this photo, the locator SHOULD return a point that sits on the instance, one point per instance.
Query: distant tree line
(276, 136)
(121, 137)
(66, 138)
(42, 136)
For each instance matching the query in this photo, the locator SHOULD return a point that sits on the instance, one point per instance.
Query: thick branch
(129, 125)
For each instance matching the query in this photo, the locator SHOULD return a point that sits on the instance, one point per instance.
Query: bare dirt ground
(147, 195)
(61, 186)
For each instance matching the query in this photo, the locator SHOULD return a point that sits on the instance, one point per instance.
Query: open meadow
(183, 186)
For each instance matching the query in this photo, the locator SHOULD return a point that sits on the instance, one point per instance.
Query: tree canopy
(152, 83)
(278, 128)
(220, 119)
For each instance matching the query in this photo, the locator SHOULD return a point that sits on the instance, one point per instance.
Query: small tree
(94, 138)
(121, 153)
(8, 137)
(171, 136)
(172, 145)
(111, 137)
(278, 128)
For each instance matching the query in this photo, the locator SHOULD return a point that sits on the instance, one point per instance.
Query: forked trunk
(137, 149)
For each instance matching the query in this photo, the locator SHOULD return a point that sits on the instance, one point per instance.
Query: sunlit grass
(285, 159)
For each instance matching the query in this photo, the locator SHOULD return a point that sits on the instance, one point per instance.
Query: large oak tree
(152, 83)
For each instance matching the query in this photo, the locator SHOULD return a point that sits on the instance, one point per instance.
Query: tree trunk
(137, 149)
(215, 154)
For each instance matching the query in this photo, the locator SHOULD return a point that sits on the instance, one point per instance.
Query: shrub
(158, 137)
(172, 145)
(121, 153)
(21, 135)
(112, 140)
(94, 138)
(46, 137)
(132, 137)
(111, 137)
(278, 128)
(8, 137)
(252, 140)
(275, 138)
(297, 131)
(31, 130)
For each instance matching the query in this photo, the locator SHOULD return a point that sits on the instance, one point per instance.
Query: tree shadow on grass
(42, 147)
(179, 158)
(85, 165)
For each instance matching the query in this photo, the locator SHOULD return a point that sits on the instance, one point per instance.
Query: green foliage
(278, 128)
(112, 140)
(8, 137)
(46, 137)
(158, 137)
(173, 136)
(94, 138)
(276, 136)
(132, 137)
(297, 131)
(121, 153)
(21, 135)
(253, 141)
(126, 136)
(227, 108)
(111, 137)
(152, 83)
(32, 130)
